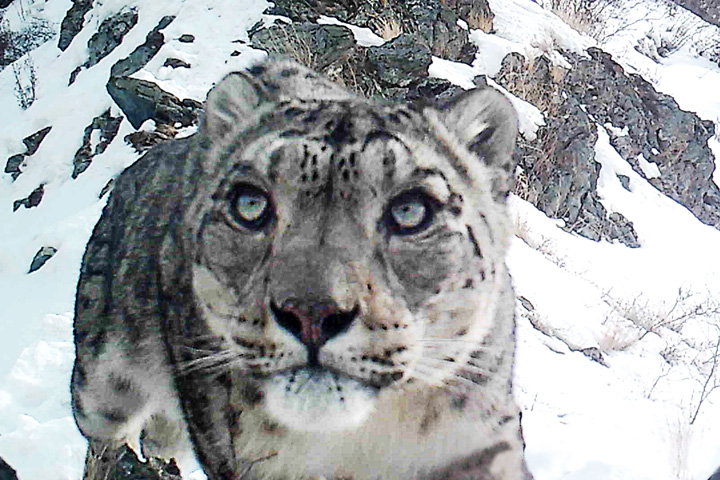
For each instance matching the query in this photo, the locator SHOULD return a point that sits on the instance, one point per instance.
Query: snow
(629, 419)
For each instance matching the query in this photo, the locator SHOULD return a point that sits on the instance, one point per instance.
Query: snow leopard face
(342, 248)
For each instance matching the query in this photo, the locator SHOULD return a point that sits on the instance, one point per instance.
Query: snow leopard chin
(317, 400)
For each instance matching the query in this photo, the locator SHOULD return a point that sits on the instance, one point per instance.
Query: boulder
(400, 62)
(6, 471)
(73, 22)
(141, 100)
(41, 257)
(32, 200)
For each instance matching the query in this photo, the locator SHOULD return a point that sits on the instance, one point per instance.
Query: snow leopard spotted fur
(311, 286)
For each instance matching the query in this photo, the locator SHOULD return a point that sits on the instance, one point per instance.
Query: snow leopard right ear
(232, 103)
(485, 121)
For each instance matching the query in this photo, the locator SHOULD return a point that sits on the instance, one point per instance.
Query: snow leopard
(311, 285)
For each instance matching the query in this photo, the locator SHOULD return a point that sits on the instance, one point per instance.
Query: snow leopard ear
(485, 121)
(231, 104)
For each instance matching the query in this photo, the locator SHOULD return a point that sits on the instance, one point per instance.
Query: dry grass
(387, 27)
(480, 21)
(284, 39)
(617, 335)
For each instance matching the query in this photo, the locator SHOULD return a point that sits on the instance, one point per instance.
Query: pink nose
(313, 322)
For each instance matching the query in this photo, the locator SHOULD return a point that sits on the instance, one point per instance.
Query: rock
(437, 26)
(186, 38)
(624, 181)
(13, 165)
(6, 471)
(527, 304)
(594, 354)
(708, 10)
(143, 141)
(432, 22)
(108, 186)
(317, 46)
(558, 171)
(176, 63)
(129, 467)
(658, 129)
(108, 126)
(110, 34)
(716, 475)
(141, 100)
(73, 22)
(400, 62)
(32, 200)
(5, 4)
(144, 52)
(32, 143)
(41, 257)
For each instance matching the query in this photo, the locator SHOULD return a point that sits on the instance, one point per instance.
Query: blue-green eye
(410, 212)
(408, 215)
(250, 206)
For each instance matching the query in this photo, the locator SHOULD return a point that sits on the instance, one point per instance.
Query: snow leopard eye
(250, 206)
(410, 212)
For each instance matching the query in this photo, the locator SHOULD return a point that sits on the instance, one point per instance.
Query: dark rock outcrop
(143, 141)
(142, 100)
(432, 22)
(73, 22)
(110, 34)
(108, 127)
(673, 139)
(708, 10)
(558, 171)
(32, 200)
(32, 143)
(6, 471)
(400, 62)
(176, 63)
(144, 52)
(41, 257)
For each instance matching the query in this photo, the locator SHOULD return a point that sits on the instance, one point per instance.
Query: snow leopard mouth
(318, 399)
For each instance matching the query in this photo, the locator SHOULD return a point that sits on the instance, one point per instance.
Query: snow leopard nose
(313, 322)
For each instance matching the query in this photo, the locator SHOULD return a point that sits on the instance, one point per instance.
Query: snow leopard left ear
(485, 121)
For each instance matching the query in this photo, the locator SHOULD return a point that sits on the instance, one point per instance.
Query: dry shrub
(283, 39)
(587, 16)
(387, 27)
(480, 21)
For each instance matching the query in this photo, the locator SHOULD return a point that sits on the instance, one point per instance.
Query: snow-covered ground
(630, 419)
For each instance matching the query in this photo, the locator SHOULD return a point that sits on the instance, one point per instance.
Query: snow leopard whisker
(212, 361)
(459, 366)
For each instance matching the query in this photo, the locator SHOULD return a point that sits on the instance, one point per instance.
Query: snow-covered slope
(643, 411)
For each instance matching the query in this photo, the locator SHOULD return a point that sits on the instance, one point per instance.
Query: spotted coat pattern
(312, 285)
